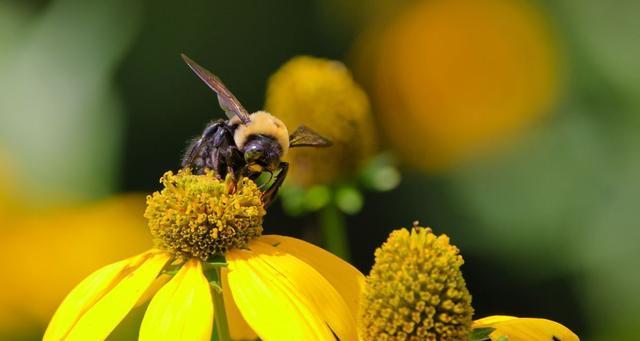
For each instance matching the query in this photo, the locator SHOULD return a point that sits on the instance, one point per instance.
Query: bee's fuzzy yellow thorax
(262, 123)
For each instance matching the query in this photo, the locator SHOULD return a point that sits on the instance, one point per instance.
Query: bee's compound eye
(252, 154)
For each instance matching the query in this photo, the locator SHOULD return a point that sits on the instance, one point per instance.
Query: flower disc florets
(201, 216)
(415, 290)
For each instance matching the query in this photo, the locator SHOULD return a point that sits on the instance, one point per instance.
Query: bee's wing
(228, 102)
(305, 137)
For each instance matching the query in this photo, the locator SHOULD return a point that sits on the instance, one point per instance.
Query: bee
(244, 144)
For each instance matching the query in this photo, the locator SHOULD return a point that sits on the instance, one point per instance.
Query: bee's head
(262, 153)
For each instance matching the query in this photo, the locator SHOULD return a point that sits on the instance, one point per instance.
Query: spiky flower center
(415, 290)
(201, 216)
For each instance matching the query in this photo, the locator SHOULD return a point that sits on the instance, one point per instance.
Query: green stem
(220, 314)
(334, 231)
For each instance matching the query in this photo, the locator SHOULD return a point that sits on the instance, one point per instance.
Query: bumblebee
(245, 144)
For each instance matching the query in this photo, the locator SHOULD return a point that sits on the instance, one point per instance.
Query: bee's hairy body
(223, 145)
(244, 144)
(213, 155)
(262, 123)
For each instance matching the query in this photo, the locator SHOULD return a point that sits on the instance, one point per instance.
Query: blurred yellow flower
(322, 95)
(45, 245)
(416, 291)
(270, 286)
(452, 78)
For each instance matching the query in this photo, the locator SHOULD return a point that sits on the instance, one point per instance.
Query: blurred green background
(515, 124)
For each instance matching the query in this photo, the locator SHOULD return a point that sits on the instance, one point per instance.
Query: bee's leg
(223, 136)
(217, 164)
(270, 194)
(196, 146)
(223, 145)
(234, 165)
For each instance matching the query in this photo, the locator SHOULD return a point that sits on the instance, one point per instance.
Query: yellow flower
(524, 329)
(46, 246)
(416, 291)
(10, 200)
(322, 95)
(453, 78)
(209, 233)
(35, 237)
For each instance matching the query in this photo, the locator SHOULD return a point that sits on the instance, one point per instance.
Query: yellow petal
(489, 320)
(83, 296)
(342, 275)
(64, 237)
(102, 317)
(182, 309)
(270, 303)
(324, 297)
(525, 329)
(151, 291)
(239, 329)
(87, 293)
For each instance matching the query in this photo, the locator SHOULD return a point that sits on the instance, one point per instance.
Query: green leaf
(480, 334)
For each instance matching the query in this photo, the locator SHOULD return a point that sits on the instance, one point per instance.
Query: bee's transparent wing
(228, 102)
(305, 137)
